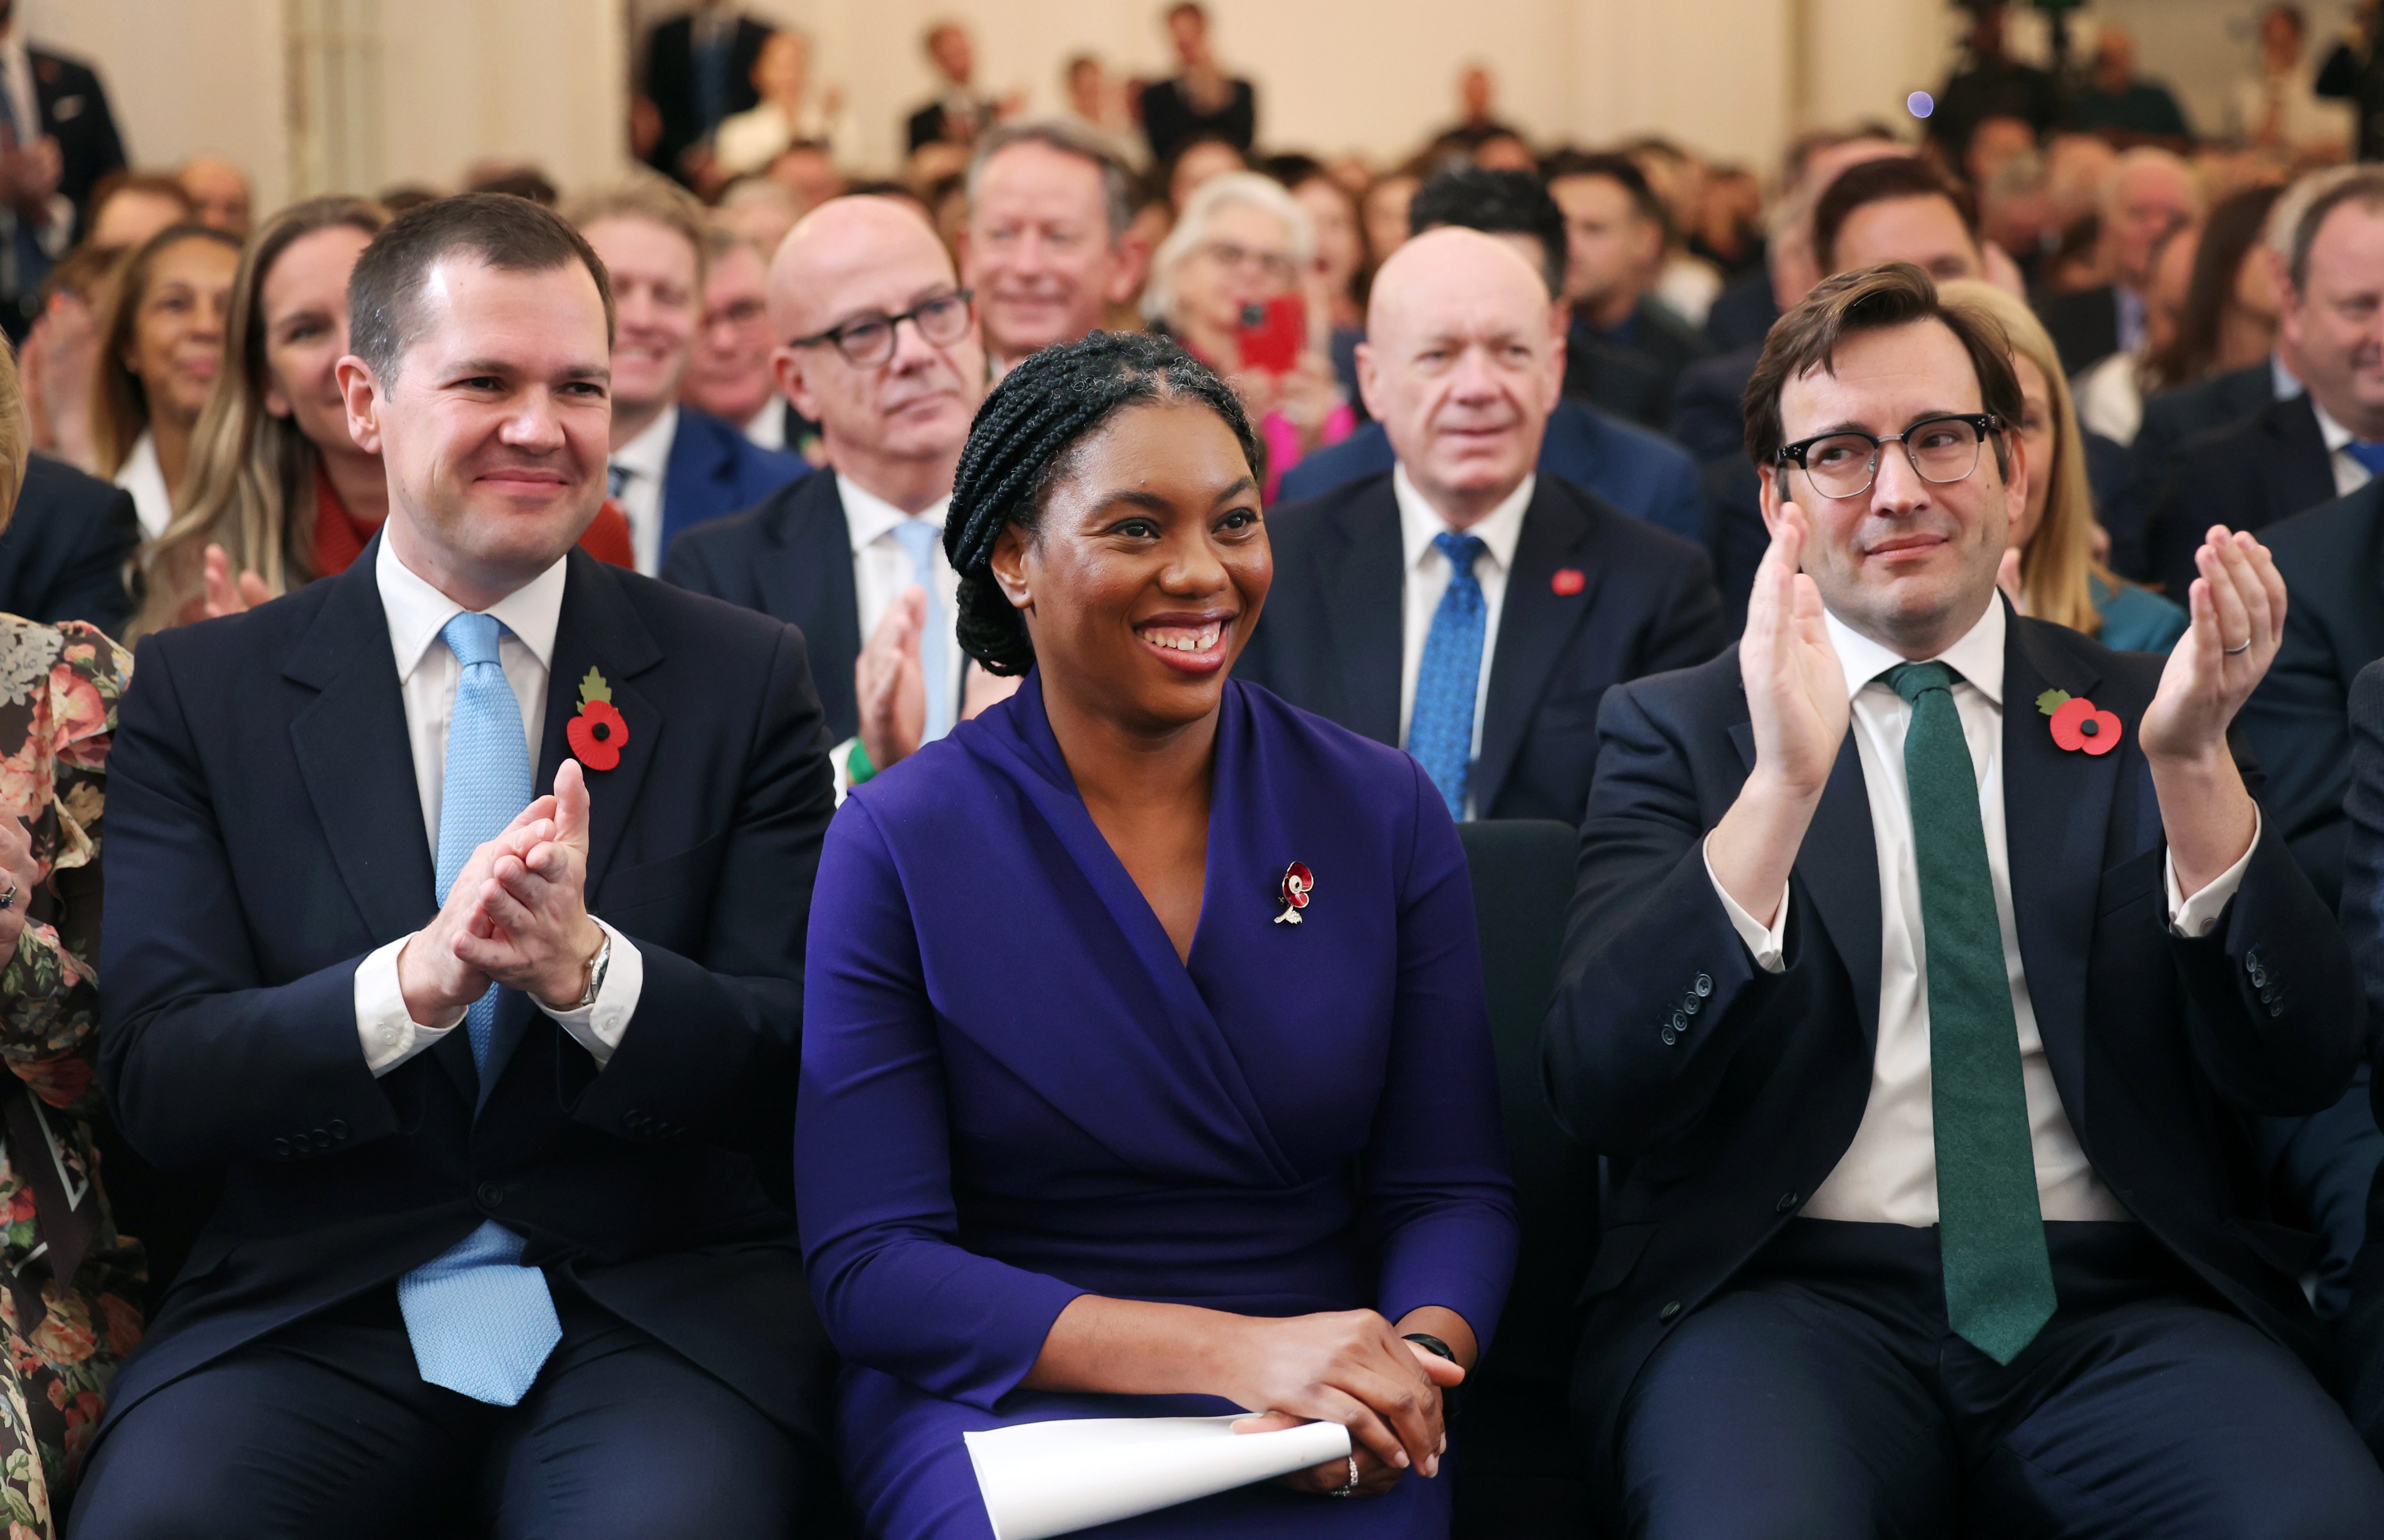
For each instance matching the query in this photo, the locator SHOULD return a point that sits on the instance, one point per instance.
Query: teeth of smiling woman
(1186, 643)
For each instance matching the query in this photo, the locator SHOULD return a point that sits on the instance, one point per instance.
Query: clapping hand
(1795, 687)
(2237, 605)
(527, 927)
(224, 596)
(892, 682)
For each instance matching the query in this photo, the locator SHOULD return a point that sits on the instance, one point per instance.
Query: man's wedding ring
(9, 899)
(2232, 651)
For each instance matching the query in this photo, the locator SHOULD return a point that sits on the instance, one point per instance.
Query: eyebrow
(1850, 425)
(600, 372)
(1135, 498)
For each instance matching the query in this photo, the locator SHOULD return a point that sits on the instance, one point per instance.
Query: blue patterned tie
(480, 1322)
(1440, 727)
(2370, 455)
(616, 480)
(919, 538)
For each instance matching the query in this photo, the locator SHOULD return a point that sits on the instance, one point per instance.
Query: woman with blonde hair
(161, 340)
(70, 1286)
(276, 491)
(2052, 571)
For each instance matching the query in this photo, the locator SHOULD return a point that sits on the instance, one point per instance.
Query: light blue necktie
(480, 1322)
(919, 537)
(1440, 727)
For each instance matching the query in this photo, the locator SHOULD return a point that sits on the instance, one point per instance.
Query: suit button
(338, 1129)
(282, 1148)
(1704, 986)
(1680, 1022)
(1692, 1004)
(490, 1195)
(1670, 1037)
(1670, 1312)
(2276, 1007)
(1787, 1201)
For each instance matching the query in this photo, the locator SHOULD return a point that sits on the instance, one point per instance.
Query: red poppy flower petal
(597, 753)
(2107, 733)
(2065, 720)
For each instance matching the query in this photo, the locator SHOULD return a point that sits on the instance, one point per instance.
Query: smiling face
(654, 271)
(730, 375)
(178, 332)
(2335, 320)
(305, 311)
(494, 430)
(1461, 365)
(1040, 253)
(1148, 568)
(1245, 258)
(1909, 562)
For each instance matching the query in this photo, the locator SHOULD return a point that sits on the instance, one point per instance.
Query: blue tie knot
(2369, 456)
(1461, 552)
(1912, 680)
(472, 638)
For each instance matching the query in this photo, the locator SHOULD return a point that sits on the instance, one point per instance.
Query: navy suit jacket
(1743, 311)
(1330, 638)
(671, 85)
(265, 834)
(2171, 417)
(2299, 720)
(64, 553)
(2160, 1046)
(74, 111)
(1642, 473)
(792, 559)
(714, 469)
(2267, 467)
(2084, 325)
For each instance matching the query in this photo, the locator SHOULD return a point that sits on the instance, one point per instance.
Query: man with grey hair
(2147, 194)
(1045, 248)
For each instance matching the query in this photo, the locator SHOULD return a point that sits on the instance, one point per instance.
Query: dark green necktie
(1990, 1230)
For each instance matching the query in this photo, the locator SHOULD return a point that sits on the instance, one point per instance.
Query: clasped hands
(516, 915)
(1351, 1367)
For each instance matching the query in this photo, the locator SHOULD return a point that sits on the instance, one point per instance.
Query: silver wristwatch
(596, 966)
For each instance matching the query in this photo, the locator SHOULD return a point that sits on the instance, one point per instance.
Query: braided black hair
(1021, 443)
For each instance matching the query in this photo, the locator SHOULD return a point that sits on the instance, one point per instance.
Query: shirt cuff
(390, 1036)
(599, 1027)
(1768, 944)
(2194, 918)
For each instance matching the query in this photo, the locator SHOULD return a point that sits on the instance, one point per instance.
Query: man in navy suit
(699, 70)
(1638, 471)
(536, 1276)
(882, 350)
(672, 466)
(1924, 964)
(1461, 606)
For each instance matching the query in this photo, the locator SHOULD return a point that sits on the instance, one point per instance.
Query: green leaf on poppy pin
(2050, 701)
(593, 688)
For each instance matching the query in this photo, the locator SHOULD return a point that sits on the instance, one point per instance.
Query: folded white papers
(1041, 1479)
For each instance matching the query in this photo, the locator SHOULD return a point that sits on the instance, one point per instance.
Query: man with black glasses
(880, 348)
(1924, 962)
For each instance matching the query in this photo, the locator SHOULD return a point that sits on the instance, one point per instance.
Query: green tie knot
(1912, 680)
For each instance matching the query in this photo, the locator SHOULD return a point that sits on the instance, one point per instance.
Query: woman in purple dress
(1093, 1122)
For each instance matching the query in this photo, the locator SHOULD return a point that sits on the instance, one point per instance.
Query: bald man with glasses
(881, 348)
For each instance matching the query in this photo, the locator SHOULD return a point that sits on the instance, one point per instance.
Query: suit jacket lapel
(2301, 472)
(1363, 590)
(807, 570)
(2056, 812)
(1838, 865)
(357, 762)
(1535, 623)
(597, 630)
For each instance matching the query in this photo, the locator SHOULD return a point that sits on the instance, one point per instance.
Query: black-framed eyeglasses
(1941, 450)
(867, 341)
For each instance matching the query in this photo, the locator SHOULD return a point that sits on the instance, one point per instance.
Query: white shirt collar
(648, 453)
(418, 612)
(2333, 433)
(1420, 523)
(1978, 657)
(869, 517)
(2282, 380)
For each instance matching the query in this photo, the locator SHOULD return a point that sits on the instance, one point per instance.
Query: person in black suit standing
(2306, 449)
(1200, 101)
(882, 351)
(960, 112)
(1918, 1025)
(538, 1276)
(699, 71)
(57, 141)
(1461, 606)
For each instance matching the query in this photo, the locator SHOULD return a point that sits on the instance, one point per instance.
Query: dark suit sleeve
(2296, 725)
(202, 1062)
(89, 584)
(2363, 852)
(711, 1048)
(1645, 925)
(2339, 76)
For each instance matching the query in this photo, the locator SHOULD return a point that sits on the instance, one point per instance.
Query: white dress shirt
(428, 674)
(881, 566)
(143, 476)
(1428, 574)
(647, 460)
(767, 427)
(2349, 474)
(1889, 1174)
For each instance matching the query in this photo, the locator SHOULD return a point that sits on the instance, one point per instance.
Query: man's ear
(361, 393)
(1774, 496)
(1370, 385)
(787, 369)
(1132, 263)
(2016, 474)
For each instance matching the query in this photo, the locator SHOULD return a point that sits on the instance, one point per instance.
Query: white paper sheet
(1042, 1479)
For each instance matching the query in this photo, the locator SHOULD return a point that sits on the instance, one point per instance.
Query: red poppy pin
(1568, 581)
(1299, 882)
(598, 734)
(2078, 725)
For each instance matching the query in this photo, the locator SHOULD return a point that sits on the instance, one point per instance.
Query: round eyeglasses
(1941, 450)
(867, 340)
